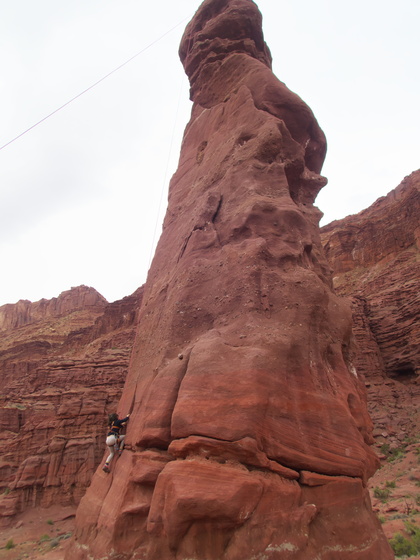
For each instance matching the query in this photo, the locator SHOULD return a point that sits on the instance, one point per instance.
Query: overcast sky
(83, 195)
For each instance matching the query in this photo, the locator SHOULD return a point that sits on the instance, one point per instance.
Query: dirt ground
(38, 534)
(395, 493)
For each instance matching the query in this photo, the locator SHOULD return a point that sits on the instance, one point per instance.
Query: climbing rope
(166, 172)
(94, 84)
(167, 167)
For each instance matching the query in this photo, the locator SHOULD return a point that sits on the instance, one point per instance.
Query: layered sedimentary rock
(249, 434)
(25, 312)
(375, 258)
(63, 363)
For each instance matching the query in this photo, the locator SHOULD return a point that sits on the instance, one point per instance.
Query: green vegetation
(395, 454)
(385, 448)
(50, 522)
(381, 493)
(398, 516)
(54, 542)
(10, 544)
(16, 405)
(390, 484)
(414, 532)
(400, 452)
(392, 454)
(403, 546)
(44, 538)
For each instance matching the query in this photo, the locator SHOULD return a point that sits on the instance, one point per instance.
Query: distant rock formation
(63, 363)
(249, 435)
(375, 256)
(25, 312)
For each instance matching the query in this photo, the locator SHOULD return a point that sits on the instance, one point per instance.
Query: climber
(114, 440)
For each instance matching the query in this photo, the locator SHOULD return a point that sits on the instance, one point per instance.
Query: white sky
(83, 195)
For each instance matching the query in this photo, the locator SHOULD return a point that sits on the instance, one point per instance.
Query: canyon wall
(375, 256)
(249, 435)
(63, 363)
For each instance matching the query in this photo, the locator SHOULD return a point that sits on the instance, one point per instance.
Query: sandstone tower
(249, 435)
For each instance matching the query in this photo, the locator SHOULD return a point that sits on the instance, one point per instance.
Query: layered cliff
(63, 363)
(375, 259)
(249, 434)
(25, 312)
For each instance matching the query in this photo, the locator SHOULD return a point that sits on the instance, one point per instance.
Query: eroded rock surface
(249, 435)
(375, 258)
(63, 363)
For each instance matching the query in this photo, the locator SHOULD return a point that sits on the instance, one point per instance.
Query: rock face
(63, 363)
(249, 434)
(25, 312)
(375, 258)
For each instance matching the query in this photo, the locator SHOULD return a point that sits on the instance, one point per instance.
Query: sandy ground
(401, 478)
(38, 534)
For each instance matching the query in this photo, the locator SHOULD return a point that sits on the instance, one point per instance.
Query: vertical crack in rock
(240, 289)
(206, 224)
(214, 217)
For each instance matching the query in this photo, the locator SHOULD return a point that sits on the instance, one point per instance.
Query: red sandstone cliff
(63, 363)
(25, 312)
(249, 435)
(375, 256)
(375, 259)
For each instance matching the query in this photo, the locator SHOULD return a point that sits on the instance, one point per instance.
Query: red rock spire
(249, 436)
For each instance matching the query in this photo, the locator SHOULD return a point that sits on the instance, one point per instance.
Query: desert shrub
(390, 484)
(44, 538)
(412, 439)
(402, 546)
(385, 448)
(398, 516)
(10, 544)
(50, 522)
(392, 454)
(381, 493)
(396, 454)
(54, 542)
(414, 533)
